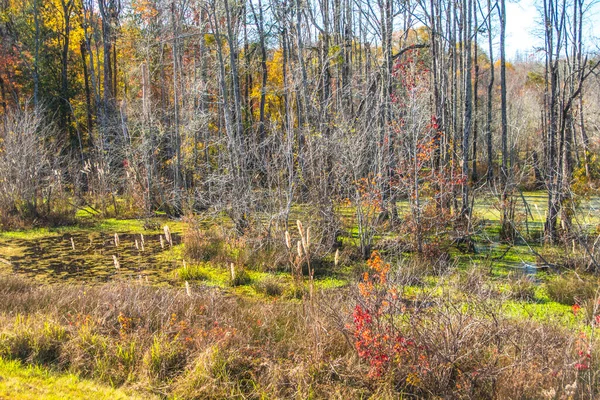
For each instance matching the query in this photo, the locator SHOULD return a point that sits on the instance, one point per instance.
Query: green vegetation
(166, 333)
(38, 383)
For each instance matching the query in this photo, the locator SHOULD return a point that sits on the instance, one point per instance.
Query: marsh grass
(210, 344)
(27, 382)
(570, 288)
(271, 286)
(194, 272)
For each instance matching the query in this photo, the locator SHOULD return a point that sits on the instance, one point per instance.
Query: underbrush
(571, 288)
(201, 344)
(253, 250)
(192, 273)
(377, 340)
(449, 346)
(271, 286)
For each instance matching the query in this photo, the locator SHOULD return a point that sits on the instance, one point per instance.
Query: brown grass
(214, 345)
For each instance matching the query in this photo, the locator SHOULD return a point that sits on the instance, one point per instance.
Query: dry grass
(213, 345)
(570, 288)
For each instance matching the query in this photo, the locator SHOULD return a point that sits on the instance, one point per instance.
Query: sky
(523, 20)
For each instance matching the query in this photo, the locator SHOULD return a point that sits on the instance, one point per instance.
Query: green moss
(30, 234)
(174, 253)
(548, 312)
(330, 283)
(192, 273)
(205, 272)
(137, 225)
(86, 212)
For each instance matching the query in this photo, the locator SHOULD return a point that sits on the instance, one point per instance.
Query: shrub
(521, 288)
(33, 340)
(194, 272)
(569, 288)
(31, 185)
(201, 245)
(240, 278)
(475, 280)
(436, 349)
(165, 358)
(271, 286)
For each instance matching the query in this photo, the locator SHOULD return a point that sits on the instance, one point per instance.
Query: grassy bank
(27, 382)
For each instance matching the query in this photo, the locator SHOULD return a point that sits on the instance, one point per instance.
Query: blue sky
(523, 20)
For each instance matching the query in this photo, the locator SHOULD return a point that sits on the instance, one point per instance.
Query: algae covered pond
(89, 255)
(87, 252)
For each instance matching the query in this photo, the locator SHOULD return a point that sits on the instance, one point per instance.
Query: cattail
(72, 244)
(232, 271)
(137, 245)
(168, 235)
(162, 242)
(302, 236)
(116, 239)
(307, 238)
(288, 240)
(116, 262)
(336, 259)
(188, 291)
(299, 249)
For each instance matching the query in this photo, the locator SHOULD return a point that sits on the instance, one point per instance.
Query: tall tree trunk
(490, 93)
(64, 79)
(36, 77)
(505, 176)
(88, 95)
(468, 109)
(177, 181)
(552, 72)
(474, 176)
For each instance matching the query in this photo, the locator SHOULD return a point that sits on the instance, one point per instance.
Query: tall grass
(209, 344)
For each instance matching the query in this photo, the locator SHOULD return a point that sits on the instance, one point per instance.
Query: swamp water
(89, 257)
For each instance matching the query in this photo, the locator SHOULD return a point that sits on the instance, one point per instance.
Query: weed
(270, 286)
(239, 277)
(201, 245)
(521, 288)
(165, 358)
(570, 288)
(195, 272)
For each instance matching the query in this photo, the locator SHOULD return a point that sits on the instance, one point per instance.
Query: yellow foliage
(509, 65)
(274, 89)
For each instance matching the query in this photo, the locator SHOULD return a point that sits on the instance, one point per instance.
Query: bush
(192, 273)
(521, 288)
(201, 245)
(33, 341)
(476, 280)
(437, 349)
(241, 278)
(569, 288)
(31, 185)
(270, 286)
(165, 358)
